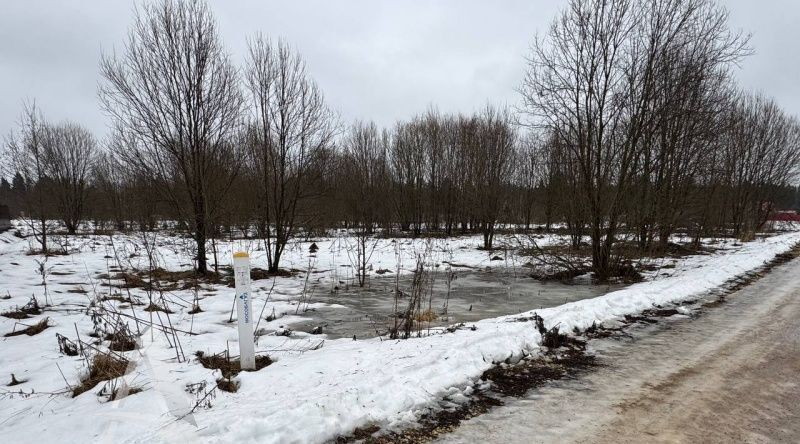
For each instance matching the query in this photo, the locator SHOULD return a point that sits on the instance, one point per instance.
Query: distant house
(785, 216)
(5, 218)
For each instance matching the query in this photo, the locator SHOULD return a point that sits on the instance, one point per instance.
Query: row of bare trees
(434, 173)
(644, 128)
(631, 128)
(56, 162)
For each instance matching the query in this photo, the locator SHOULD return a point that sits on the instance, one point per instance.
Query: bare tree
(408, 162)
(174, 93)
(111, 183)
(763, 152)
(489, 145)
(26, 155)
(289, 134)
(529, 176)
(70, 153)
(365, 167)
(576, 88)
(686, 50)
(600, 83)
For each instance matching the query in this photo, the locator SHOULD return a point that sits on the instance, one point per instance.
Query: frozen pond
(473, 295)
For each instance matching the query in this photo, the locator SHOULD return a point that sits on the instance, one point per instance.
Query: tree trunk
(44, 235)
(200, 236)
(601, 256)
(273, 266)
(488, 236)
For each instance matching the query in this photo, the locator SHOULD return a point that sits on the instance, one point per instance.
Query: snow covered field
(316, 389)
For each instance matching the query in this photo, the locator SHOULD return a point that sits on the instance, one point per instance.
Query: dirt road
(732, 374)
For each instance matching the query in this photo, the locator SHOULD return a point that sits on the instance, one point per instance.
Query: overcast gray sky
(378, 60)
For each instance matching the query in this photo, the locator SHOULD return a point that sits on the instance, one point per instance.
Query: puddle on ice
(474, 295)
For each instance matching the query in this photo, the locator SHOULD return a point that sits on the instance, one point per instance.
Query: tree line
(631, 128)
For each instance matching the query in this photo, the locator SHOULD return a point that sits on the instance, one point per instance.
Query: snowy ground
(318, 388)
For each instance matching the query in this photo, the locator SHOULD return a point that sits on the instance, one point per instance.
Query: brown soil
(229, 367)
(506, 380)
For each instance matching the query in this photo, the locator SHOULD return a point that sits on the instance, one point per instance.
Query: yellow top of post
(241, 254)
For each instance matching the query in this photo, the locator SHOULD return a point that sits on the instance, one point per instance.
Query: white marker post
(244, 310)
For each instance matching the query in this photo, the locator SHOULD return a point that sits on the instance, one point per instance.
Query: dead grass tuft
(27, 310)
(104, 367)
(15, 314)
(121, 341)
(426, 316)
(118, 298)
(163, 280)
(31, 330)
(156, 307)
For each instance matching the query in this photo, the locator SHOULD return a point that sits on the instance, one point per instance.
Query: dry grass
(156, 307)
(426, 316)
(121, 341)
(31, 330)
(162, 280)
(15, 314)
(31, 308)
(104, 367)
(117, 297)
